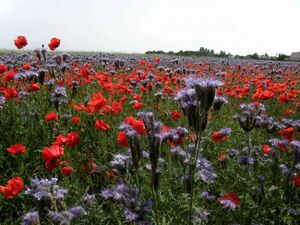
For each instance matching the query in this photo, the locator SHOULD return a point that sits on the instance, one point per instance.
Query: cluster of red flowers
(121, 87)
(53, 153)
(54, 43)
(21, 42)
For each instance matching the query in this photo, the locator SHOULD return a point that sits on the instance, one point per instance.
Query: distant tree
(281, 57)
(253, 56)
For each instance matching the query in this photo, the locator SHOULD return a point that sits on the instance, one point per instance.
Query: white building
(295, 56)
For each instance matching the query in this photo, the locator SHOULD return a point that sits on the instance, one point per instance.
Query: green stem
(170, 165)
(155, 197)
(249, 145)
(138, 180)
(197, 150)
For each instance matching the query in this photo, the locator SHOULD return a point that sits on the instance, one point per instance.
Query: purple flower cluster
(31, 218)
(187, 98)
(173, 134)
(202, 82)
(219, 102)
(225, 131)
(133, 209)
(184, 155)
(120, 161)
(59, 96)
(249, 116)
(50, 197)
(208, 196)
(268, 123)
(65, 217)
(201, 217)
(228, 204)
(205, 171)
(22, 95)
(44, 188)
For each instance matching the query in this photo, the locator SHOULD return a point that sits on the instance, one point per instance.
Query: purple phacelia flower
(228, 204)
(31, 218)
(2, 101)
(77, 211)
(207, 196)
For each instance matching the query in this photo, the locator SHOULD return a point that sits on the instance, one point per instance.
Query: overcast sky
(236, 26)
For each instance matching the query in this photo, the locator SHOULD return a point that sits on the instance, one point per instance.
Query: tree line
(211, 53)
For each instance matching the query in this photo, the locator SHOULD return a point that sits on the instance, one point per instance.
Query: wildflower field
(133, 139)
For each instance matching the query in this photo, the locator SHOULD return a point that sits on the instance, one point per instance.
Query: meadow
(133, 139)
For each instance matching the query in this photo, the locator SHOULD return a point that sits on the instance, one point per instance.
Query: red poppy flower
(35, 87)
(21, 42)
(175, 115)
(122, 139)
(287, 133)
(10, 92)
(51, 164)
(97, 102)
(222, 157)
(52, 152)
(75, 120)
(72, 139)
(143, 62)
(101, 125)
(218, 137)
(52, 116)
(296, 181)
(67, 171)
(288, 112)
(26, 66)
(266, 149)
(137, 125)
(3, 68)
(123, 99)
(16, 149)
(138, 105)
(116, 108)
(54, 43)
(267, 95)
(283, 98)
(60, 140)
(13, 187)
(137, 97)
